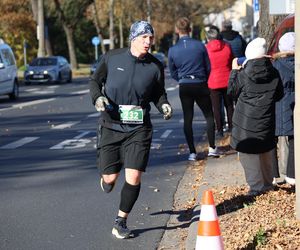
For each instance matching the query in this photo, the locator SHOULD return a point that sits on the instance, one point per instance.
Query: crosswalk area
(80, 139)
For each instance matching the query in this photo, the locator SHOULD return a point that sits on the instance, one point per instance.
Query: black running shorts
(117, 149)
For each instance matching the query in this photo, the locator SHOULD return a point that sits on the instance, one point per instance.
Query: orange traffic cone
(209, 233)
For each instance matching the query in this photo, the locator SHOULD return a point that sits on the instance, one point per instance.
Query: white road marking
(172, 88)
(76, 142)
(166, 133)
(65, 125)
(156, 139)
(19, 143)
(25, 104)
(155, 145)
(44, 92)
(80, 92)
(94, 114)
(71, 144)
(83, 133)
(195, 121)
(31, 90)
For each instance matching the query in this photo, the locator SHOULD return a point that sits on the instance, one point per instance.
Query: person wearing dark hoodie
(284, 62)
(220, 56)
(236, 41)
(124, 84)
(257, 86)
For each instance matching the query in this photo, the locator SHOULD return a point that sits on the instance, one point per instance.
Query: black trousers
(190, 93)
(290, 170)
(216, 97)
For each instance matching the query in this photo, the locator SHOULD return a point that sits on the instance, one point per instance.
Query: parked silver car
(48, 69)
(8, 72)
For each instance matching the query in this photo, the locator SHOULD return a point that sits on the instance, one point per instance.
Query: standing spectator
(257, 87)
(122, 87)
(189, 65)
(220, 57)
(236, 41)
(284, 62)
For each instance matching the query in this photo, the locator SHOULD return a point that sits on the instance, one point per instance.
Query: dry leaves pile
(265, 222)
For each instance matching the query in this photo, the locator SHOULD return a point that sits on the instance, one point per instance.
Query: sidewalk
(225, 170)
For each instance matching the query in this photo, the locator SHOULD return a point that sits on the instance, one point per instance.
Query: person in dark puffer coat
(284, 62)
(256, 86)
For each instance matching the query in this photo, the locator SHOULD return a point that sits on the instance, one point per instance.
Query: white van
(8, 72)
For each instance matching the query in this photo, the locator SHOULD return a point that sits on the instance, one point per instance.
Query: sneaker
(192, 157)
(120, 229)
(107, 188)
(290, 181)
(214, 151)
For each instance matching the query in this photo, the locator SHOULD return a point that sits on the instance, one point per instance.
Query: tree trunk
(121, 32)
(267, 23)
(41, 29)
(48, 46)
(111, 24)
(97, 26)
(34, 6)
(71, 47)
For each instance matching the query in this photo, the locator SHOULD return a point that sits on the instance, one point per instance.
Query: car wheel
(15, 93)
(70, 77)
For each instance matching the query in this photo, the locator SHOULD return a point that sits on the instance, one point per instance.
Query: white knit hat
(256, 48)
(287, 42)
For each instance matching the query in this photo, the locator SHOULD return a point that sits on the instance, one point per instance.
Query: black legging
(216, 98)
(190, 93)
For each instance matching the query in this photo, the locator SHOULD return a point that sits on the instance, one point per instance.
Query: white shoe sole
(115, 233)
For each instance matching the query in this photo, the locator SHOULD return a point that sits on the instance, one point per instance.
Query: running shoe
(214, 152)
(192, 157)
(120, 229)
(107, 188)
(290, 181)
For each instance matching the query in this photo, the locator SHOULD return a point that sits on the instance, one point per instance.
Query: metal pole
(297, 110)
(25, 54)
(96, 52)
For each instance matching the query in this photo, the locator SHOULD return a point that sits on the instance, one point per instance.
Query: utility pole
(41, 28)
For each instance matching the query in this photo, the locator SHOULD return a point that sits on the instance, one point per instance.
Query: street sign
(256, 5)
(95, 40)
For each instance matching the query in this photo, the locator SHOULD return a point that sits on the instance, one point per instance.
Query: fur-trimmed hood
(282, 54)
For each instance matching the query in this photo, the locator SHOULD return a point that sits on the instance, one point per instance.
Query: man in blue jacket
(237, 43)
(189, 65)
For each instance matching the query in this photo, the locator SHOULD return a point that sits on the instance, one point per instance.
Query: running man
(122, 87)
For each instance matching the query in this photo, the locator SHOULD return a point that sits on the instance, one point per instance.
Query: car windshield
(43, 62)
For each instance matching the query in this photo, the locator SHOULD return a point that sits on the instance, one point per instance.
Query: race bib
(131, 114)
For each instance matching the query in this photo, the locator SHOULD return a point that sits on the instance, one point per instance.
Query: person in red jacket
(220, 56)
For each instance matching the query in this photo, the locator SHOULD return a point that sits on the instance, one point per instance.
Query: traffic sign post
(96, 42)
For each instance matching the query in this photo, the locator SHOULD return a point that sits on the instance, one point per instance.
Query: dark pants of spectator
(190, 93)
(290, 170)
(216, 97)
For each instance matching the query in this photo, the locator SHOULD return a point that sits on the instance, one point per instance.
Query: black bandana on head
(140, 28)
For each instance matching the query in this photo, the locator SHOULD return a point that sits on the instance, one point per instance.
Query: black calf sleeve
(129, 195)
